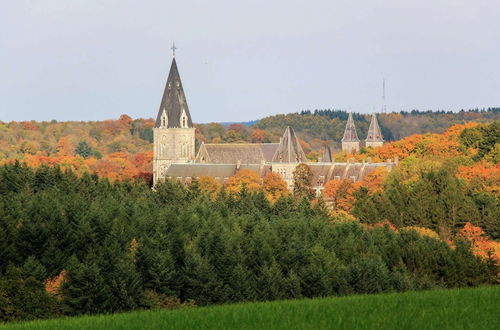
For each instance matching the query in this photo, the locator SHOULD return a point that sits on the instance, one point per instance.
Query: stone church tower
(374, 138)
(173, 133)
(350, 141)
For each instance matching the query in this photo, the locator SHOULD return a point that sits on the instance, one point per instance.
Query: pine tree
(84, 150)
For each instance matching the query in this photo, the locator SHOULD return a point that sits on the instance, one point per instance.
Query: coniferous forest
(83, 235)
(74, 245)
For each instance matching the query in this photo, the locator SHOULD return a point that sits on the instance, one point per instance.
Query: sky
(244, 60)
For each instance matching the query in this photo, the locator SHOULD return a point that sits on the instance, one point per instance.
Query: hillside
(122, 148)
(441, 309)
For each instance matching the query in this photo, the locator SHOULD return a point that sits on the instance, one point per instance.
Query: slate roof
(173, 100)
(374, 133)
(219, 172)
(324, 172)
(289, 149)
(232, 153)
(350, 134)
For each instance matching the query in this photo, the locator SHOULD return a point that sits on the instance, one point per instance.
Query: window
(164, 119)
(321, 180)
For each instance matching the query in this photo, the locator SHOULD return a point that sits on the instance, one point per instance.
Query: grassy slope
(443, 309)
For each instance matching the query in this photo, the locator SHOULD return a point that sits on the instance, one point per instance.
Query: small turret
(374, 138)
(350, 141)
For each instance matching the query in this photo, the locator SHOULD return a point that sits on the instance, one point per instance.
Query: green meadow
(477, 308)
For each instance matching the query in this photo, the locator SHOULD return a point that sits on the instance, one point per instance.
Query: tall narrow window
(164, 119)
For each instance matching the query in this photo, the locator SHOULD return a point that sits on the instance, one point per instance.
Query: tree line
(80, 244)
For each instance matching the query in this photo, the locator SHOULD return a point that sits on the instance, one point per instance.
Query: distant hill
(132, 136)
(244, 123)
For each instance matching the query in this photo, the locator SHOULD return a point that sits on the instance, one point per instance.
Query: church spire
(350, 134)
(350, 141)
(374, 136)
(289, 149)
(174, 111)
(374, 133)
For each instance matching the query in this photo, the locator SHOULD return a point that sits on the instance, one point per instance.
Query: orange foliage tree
(274, 186)
(340, 193)
(373, 180)
(250, 179)
(483, 175)
(65, 147)
(482, 246)
(210, 185)
(258, 135)
(53, 284)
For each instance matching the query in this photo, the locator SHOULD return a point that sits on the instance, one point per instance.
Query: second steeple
(350, 141)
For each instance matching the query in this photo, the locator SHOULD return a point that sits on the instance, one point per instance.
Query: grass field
(477, 308)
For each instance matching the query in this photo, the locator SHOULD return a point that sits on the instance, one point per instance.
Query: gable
(245, 153)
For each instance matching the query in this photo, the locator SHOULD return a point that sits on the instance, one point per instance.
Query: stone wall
(171, 145)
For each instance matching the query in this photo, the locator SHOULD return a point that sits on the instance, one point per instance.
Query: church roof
(374, 133)
(219, 172)
(244, 153)
(173, 100)
(322, 173)
(350, 134)
(289, 149)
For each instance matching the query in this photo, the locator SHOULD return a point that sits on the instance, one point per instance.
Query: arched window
(164, 119)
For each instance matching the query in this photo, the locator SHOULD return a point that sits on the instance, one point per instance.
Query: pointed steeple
(374, 133)
(174, 111)
(289, 150)
(350, 134)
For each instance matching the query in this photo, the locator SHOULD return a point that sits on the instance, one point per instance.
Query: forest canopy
(79, 244)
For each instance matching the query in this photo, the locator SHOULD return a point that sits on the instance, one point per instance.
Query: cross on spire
(173, 49)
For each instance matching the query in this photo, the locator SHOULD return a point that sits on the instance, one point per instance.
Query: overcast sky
(243, 60)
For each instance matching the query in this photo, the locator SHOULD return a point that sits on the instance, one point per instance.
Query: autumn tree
(302, 178)
(274, 186)
(210, 185)
(232, 136)
(340, 193)
(483, 246)
(258, 136)
(65, 147)
(244, 178)
(373, 180)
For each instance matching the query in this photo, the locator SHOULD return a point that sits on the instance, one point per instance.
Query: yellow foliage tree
(274, 186)
(250, 179)
(210, 185)
(422, 231)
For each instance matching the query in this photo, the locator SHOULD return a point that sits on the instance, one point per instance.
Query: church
(175, 155)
